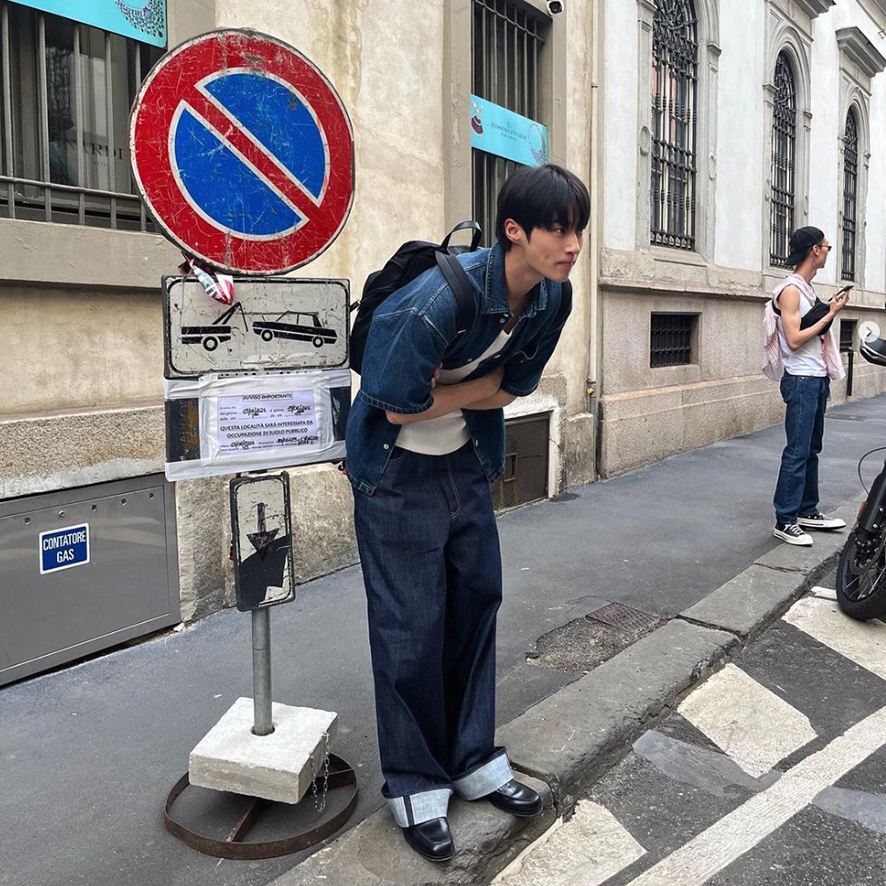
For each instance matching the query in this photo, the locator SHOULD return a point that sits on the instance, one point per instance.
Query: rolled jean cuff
(486, 778)
(417, 808)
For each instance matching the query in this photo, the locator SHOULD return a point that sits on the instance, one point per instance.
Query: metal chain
(320, 799)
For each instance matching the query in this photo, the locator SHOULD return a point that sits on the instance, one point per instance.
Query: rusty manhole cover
(632, 621)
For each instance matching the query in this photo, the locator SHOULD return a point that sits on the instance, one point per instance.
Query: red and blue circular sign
(243, 152)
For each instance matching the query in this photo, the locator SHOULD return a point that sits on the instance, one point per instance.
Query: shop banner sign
(496, 130)
(142, 20)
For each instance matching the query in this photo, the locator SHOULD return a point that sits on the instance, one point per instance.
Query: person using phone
(803, 346)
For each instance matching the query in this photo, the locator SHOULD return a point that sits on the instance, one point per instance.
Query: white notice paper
(272, 420)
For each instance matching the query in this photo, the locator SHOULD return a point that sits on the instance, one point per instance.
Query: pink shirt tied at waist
(773, 368)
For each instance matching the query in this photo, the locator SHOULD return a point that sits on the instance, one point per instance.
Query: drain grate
(848, 417)
(631, 621)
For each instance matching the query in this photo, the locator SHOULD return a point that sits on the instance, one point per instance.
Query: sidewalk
(88, 754)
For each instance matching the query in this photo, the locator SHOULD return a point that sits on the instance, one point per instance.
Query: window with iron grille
(674, 123)
(507, 45)
(784, 147)
(65, 94)
(850, 194)
(847, 335)
(671, 340)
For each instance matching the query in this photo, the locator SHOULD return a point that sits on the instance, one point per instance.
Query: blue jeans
(796, 493)
(431, 565)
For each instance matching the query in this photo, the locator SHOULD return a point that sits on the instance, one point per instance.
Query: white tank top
(807, 359)
(440, 436)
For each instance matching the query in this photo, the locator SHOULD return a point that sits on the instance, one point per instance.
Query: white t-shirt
(807, 359)
(440, 436)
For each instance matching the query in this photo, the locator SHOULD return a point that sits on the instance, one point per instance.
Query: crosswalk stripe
(748, 721)
(863, 642)
(743, 828)
(586, 851)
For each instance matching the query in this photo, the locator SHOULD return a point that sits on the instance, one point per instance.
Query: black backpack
(407, 263)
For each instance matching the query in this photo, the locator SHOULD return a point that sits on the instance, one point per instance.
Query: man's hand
(435, 378)
(838, 302)
(450, 398)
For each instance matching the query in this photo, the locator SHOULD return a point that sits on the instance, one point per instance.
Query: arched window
(850, 195)
(674, 104)
(784, 155)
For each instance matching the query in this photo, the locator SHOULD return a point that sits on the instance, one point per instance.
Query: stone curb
(565, 742)
(752, 600)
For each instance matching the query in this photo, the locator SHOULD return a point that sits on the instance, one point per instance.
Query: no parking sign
(243, 152)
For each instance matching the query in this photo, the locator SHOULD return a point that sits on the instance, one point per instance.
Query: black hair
(802, 242)
(541, 197)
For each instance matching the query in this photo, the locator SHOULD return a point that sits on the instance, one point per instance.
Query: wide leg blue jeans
(796, 493)
(431, 565)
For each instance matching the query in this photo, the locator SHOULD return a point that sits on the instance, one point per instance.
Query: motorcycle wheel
(861, 586)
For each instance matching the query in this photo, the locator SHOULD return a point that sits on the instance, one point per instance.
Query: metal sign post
(243, 153)
(261, 672)
(263, 572)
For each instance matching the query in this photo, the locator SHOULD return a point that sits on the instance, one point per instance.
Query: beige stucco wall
(81, 343)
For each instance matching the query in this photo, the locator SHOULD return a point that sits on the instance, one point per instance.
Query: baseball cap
(802, 240)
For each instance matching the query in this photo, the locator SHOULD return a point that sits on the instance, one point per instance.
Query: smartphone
(842, 292)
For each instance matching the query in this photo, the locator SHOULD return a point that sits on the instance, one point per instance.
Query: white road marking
(749, 722)
(586, 851)
(824, 593)
(863, 642)
(743, 828)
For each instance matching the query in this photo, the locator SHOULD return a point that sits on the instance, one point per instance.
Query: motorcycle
(861, 572)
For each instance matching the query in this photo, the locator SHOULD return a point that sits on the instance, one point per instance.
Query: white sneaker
(821, 521)
(792, 534)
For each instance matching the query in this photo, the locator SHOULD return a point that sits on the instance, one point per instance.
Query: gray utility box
(84, 569)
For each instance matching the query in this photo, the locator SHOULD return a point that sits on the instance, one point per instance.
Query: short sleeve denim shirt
(414, 331)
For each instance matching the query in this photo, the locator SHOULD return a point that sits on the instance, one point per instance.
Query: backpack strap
(462, 289)
(468, 225)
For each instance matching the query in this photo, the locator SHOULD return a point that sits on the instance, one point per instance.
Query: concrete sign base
(280, 766)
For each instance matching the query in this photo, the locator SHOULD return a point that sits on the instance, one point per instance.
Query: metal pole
(850, 373)
(261, 671)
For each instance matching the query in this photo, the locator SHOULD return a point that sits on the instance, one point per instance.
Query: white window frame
(788, 37)
(708, 15)
(860, 62)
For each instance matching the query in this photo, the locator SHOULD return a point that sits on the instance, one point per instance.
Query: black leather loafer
(431, 839)
(516, 798)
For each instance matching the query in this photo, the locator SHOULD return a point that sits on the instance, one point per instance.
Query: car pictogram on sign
(217, 332)
(296, 325)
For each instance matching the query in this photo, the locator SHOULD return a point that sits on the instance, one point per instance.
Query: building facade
(80, 268)
(706, 130)
(727, 124)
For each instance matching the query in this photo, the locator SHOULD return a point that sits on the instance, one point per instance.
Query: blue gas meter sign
(64, 548)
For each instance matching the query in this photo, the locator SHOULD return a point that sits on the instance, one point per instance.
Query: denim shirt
(414, 331)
